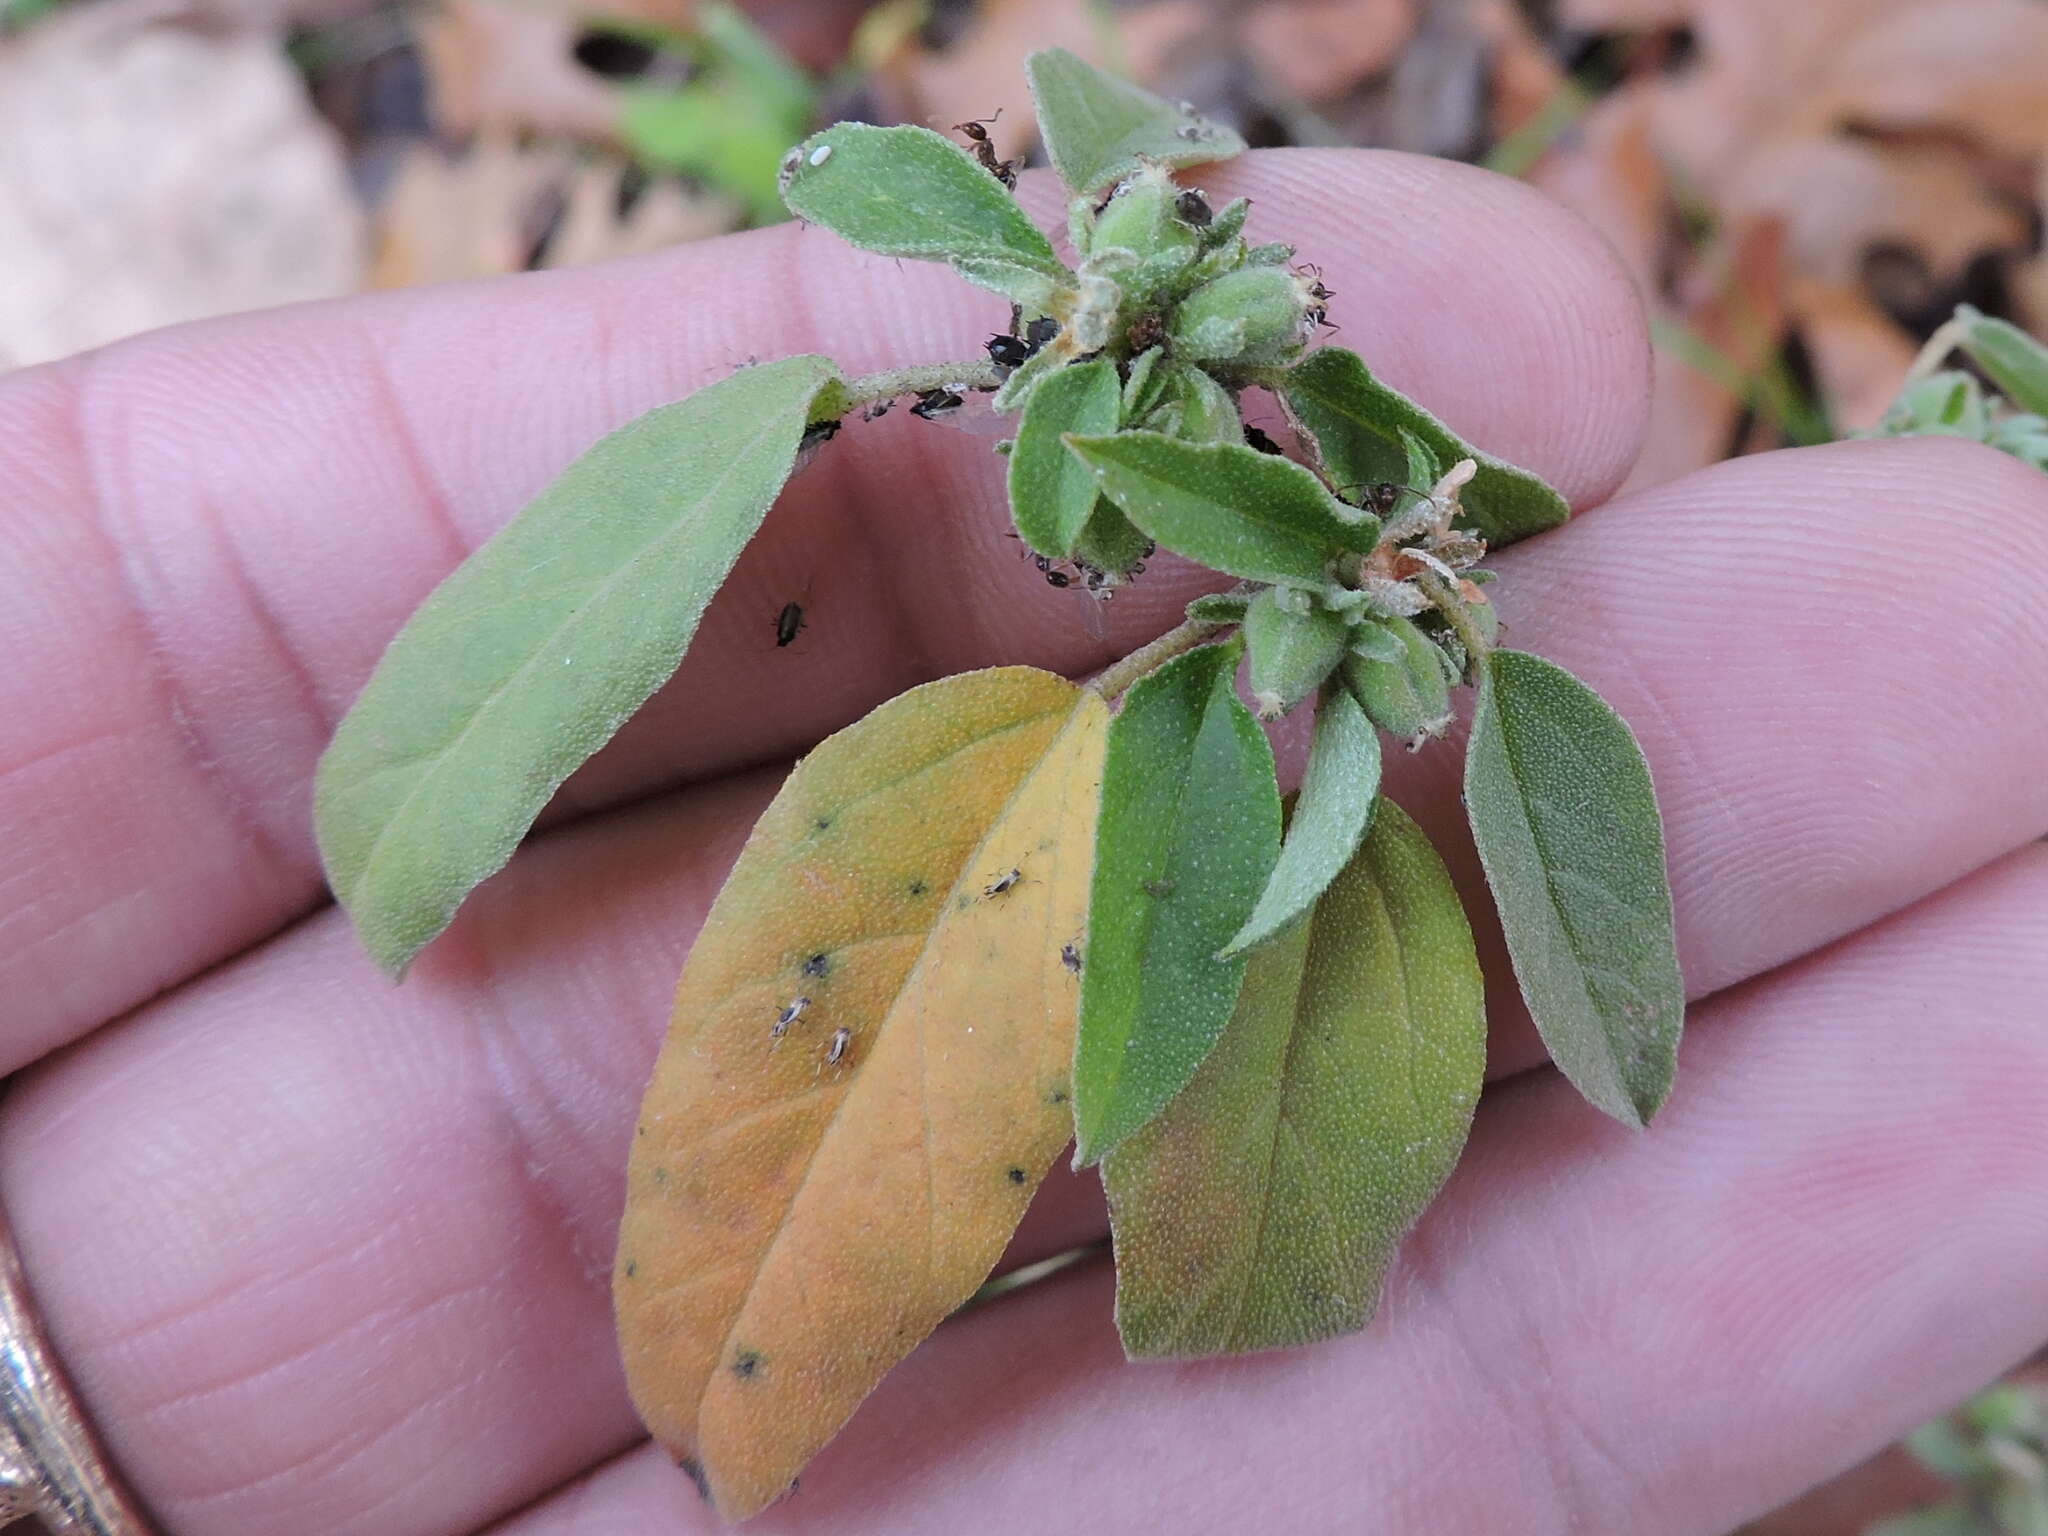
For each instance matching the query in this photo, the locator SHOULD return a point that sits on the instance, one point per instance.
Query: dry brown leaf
(1760, 62)
(1526, 75)
(151, 173)
(486, 212)
(477, 215)
(592, 229)
(1624, 15)
(1976, 67)
(1859, 353)
(1737, 308)
(1611, 177)
(1316, 49)
(1839, 197)
(492, 65)
(982, 72)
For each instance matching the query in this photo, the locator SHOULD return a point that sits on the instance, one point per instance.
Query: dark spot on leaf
(817, 965)
(661, 1175)
(1157, 887)
(746, 1364)
(694, 1471)
(918, 888)
(822, 823)
(632, 1268)
(1016, 1175)
(1057, 1096)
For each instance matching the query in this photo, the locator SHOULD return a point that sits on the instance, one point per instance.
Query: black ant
(1008, 352)
(1319, 296)
(934, 403)
(1379, 497)
(1004, 171)
(788, 623)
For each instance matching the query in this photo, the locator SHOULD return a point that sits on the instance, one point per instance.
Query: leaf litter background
(1803, 189)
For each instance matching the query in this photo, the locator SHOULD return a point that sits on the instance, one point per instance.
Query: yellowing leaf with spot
(794, 1223)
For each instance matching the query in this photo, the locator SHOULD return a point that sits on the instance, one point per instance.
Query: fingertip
(1492, 305)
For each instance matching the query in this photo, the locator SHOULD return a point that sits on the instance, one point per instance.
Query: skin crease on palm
(330, 1256)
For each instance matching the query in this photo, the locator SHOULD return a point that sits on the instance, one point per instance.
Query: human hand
(325, 1256)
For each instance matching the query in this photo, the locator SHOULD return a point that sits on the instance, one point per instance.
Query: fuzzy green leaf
(2010, 358)
(525, 660)
(1566, 821)
(1263, 1207)
(1096, 127)
(1339, 788)
(1189, 830)
(1228, 506)
(1051, 491)
(1356, 423)
(912, 192)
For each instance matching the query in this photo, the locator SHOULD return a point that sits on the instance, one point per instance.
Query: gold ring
(50, 1469)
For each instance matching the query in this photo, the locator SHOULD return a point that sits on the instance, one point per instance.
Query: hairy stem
(1185, 636)
(1931, 356)
(891, 382)
(1458, 615)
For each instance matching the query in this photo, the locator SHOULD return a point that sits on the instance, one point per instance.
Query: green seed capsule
(1408, 696)
(1255, 315)
(1142, 219)
(1292, 652)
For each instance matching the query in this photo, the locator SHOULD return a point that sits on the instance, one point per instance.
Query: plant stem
(892, 382)
(1185, 636)
(1452, 606)
(1931, 356)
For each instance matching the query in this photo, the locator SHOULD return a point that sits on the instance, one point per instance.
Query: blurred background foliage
(1803, 190)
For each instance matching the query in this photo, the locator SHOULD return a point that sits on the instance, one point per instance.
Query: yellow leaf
(795, 1223)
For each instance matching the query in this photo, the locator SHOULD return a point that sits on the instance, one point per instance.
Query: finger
(213, 532)
(1821, 678)
(1836, 1232)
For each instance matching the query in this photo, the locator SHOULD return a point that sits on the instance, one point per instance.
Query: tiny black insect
(1040, 331)
(1070, 957)
(788, 622)
(1058, 579)
(1018, 1175)
(1004, 171)
(1002, 882)
(817, 965)
(1260, 440)
(1007, 351)
(1193, 208)
(934, 403)
(818, 432)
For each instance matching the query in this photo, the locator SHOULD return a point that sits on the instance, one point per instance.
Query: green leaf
(2010, 358)
(1096, 127)
(1263, 1208)
(525, 660)
(1051, 491)
(1189, 830)
(1356, 424)
(1951, 1517)
(1338, 791)
(1207, 414)
(912, 192)
(1566, 821)
(730, 122)
(1228, 506)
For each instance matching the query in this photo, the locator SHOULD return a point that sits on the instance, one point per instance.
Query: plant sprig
(993, 915)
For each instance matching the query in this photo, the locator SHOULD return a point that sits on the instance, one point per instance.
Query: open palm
(328, 1256)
